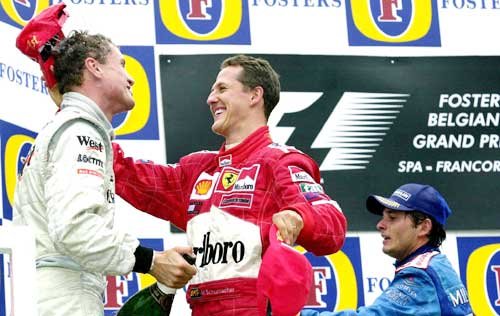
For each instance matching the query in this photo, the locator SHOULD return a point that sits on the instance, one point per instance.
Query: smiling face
(400, 235)
(230, 103)
(117, 83)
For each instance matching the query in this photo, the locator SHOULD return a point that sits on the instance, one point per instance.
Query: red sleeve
(152, 188)
(298, 188)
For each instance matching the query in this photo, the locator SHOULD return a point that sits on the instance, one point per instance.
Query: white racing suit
(66, 194)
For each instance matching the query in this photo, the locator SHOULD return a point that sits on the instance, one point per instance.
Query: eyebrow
(391, 212)
(218, 84)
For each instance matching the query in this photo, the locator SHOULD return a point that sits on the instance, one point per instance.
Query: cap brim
(376, 205)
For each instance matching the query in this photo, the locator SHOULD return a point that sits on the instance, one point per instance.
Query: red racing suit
(225, 202)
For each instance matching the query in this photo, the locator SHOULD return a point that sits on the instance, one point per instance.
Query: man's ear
(256, 95)
(93, 66)
(426, 226)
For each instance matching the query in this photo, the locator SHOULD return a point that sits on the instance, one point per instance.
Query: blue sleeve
(412, 292)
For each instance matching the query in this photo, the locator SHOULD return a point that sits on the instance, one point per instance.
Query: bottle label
(164, 300)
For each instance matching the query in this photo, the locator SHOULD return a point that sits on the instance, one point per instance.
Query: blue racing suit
(425, 283)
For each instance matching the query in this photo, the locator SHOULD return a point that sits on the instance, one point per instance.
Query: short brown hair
(70, 57)
(258, 72)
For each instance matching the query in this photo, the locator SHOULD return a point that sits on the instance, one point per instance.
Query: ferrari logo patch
(229, 178)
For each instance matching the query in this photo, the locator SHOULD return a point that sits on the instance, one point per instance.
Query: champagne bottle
(155, 300)
(150, 301)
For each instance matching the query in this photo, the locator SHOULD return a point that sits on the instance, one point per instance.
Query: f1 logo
(344, 154)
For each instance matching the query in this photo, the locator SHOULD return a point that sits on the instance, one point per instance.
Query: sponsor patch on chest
(225, 160)
(204, 186)
(225, 245)
(238, 180)
(89, 143)
(243, 200)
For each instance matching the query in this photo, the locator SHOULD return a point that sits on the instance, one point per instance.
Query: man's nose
(381, 225)
(211, 99)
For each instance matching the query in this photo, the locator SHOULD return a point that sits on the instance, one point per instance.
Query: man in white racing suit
(66, 190)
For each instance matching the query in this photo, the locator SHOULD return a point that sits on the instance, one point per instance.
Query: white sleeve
(79, 191)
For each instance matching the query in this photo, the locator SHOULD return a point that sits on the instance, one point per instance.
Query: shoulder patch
(299, 175)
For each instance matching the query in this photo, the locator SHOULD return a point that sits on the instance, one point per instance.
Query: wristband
(143, 259)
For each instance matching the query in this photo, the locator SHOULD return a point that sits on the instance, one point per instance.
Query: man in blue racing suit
(425, 283)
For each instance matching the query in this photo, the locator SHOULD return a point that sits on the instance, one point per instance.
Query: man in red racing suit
(226, 202)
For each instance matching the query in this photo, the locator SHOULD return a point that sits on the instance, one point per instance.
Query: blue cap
(412, 197)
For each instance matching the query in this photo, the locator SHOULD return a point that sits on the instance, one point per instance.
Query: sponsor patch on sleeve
(299, 175)
(315, 194)
(311, 188)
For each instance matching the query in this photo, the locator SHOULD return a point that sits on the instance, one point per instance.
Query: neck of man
(237, 134)
(98, 97)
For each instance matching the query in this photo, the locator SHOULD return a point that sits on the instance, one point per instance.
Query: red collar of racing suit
(258, 139)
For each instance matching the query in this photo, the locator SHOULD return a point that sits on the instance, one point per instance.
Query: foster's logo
(393, 23)
(479, 263)
(202, 22)
(337, 283)
(15, 147)
(19, 12)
